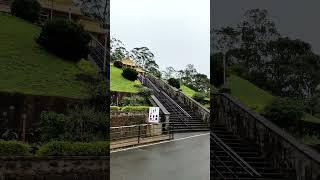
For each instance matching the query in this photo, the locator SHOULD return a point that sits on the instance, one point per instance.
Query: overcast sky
(294, 18)
(176, 31)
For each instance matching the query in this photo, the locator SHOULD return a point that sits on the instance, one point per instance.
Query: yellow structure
(128, 63)
(67, 9)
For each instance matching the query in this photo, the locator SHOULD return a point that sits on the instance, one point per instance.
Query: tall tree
(169, 73)
(142, 56)
(118, 50)
(97, 9)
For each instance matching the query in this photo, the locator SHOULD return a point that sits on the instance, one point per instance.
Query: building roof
(140, 70)
(128, 62)
(92, 26)
(61, 6)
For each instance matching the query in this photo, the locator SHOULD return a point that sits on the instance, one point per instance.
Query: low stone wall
(174, 93)
(295, 159)
(54, 168)
(127, 119)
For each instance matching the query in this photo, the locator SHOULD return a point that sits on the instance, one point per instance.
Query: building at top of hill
(67, 9)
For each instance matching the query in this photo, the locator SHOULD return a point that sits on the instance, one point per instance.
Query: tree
(142, 56)
(226, 39)
(285, 112)
(188, 74)
(201, 83)
(169, 73)
(118, 50)
(287, 58)
(97, 9)
(174, 82)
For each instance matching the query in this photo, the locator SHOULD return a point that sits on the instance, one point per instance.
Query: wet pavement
(186, 159)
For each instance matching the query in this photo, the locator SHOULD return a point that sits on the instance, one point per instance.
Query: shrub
(145, 92)
(87, 67)
(85, 124)
(133, 101)
(284, 112)
(114, 108)
(134, 108)
(239, 70)
(62, 148)
(198, 96)
(14, 148)
(26, 9)
(118, 64)
(174, 82)
(65, 39)
(52, 125)
(130, 74)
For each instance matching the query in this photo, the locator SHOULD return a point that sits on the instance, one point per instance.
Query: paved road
(186, 159)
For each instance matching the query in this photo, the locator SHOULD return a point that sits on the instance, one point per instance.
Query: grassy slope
(187, 91)
(254, 97)
(26, 68)
(119, 83)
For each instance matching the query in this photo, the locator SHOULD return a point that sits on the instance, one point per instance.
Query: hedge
(14, 148)
(128, 108)
(115, 108)
(62, 148)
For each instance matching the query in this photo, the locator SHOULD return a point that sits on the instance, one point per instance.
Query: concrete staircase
(182, 119)
(226, 166)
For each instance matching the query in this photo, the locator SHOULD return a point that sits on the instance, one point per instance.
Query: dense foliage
(62, 148)
(81, 123)
(256, 51)
(26, 9)
(14, 148)
(128, 108)
(133, 101)
(65, 39)
(118, 64)
(130, 74)
(285, 112)
(174, 82)
(198, 96)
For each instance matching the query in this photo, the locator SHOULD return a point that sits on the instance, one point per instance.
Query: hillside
(27, 68)
(253, 97)
(119, 83)
(187, 91)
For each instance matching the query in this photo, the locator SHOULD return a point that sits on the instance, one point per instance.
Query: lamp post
(51, 11)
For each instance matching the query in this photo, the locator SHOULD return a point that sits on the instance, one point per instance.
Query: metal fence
(125, 136)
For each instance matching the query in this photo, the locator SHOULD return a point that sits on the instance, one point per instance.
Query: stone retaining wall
(54, 168)
(127, 119)
(295, 159)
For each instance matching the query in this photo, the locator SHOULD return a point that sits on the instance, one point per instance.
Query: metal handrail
(176, 104)
(244, 165)
(158, 93)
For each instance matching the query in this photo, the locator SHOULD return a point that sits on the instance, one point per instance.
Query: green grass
(27, 68)
(311, 140)
(119, 83)
(187, 91)
(249, 94)
(253, 97)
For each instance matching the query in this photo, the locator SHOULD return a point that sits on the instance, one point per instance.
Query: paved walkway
(185, 158)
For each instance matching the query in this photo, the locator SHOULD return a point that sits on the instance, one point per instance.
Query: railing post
(139, 133)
